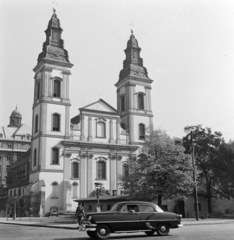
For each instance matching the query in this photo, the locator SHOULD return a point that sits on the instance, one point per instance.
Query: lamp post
(98, 187)
(14, 213)
(194, 178)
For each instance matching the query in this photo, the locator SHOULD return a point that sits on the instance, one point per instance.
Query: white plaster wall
(56, 73)
(122, 90)
(139, 88)
(49, 179)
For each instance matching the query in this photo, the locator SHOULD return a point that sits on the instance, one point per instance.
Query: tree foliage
(161, 170)
(212, 157)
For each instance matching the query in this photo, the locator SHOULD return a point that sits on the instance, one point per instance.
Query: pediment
(100, 105)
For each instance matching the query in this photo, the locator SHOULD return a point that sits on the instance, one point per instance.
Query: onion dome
(15, 118)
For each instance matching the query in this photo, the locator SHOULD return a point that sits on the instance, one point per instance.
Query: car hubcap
(102, 231)
(163, 228)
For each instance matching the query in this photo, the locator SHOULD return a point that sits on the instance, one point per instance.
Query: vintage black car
(131, 216)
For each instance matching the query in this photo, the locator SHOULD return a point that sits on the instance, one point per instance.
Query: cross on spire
(131, 24)
(54, 4)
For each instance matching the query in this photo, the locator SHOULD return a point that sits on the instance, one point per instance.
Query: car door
(129, 218)
(148, 216)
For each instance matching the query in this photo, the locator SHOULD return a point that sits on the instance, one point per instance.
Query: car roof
(137, 202)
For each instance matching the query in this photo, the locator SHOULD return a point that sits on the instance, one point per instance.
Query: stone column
(118, 101)
(67, 122)
(112, 172)
(118, 172)
(111, 140)
(83, 179)
(82, 136)
(117, 131)
(90, 138)
(131, 129)
(46, 83)
(90, 184)
(65, 84)
(148, 96)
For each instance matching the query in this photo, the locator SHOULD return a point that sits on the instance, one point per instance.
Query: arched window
(56, 122)
(75, 170)
(54, 193)
(38, 90)
(101, 129)
(75, 190)
(140, 101)
(36, 124)
(141, 131)
(125, 169)
(101, 169)
(35, 157)
(56, 92)
(122, 101)
(55, 156)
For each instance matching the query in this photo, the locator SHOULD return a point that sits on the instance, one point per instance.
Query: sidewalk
(71, 223)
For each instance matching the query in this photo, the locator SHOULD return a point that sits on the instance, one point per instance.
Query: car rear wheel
(102, 232)
(91, 234)
(163, 229)
(150, 233)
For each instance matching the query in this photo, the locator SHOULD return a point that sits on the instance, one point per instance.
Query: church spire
(53, 47)
(133, 64)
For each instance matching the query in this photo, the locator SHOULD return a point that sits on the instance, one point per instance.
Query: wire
(223, 122)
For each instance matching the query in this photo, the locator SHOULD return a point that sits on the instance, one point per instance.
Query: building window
(75, 170)
(125, 170)
(0, 135)
(140, 101)
(141, 131)
(8, 157)
(56, 88)
(35, 157)
(101, 130)
(108, 207)
(55, 156)
(54, 193)
(56, 122)
(36, 124)
(122, 100)
(9, 146)
(90, 207)
(75, 190)
(38, 90)
(101, 169)
(18, 157)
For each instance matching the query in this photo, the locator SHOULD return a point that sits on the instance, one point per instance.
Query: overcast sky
(187, 48)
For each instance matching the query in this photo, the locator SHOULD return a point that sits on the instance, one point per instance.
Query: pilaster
(111, 140)
(90, 138)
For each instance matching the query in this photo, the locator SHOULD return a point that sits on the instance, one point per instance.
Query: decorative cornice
(148, 87)
(66, 72)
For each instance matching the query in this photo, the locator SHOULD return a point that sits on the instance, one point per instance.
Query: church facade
(70, 155)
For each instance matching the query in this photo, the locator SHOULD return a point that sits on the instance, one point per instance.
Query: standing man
(80, 213)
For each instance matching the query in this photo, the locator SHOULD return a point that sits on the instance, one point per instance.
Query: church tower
(51, 114)
(134, 94)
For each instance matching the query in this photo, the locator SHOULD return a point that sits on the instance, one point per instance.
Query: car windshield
(158, 209)
(117, 207)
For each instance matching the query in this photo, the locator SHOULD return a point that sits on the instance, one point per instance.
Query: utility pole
(194, 177)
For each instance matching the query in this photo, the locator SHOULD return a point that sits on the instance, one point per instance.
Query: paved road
(196, 232)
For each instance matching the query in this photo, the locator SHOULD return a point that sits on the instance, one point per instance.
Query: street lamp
(98, 187)
(14, 214)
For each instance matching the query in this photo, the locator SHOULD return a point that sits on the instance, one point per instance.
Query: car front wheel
(102, 232)
(163, 229)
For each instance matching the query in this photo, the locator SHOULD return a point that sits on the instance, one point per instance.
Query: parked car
(130, 216)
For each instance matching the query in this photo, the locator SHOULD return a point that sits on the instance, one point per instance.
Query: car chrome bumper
(180, 225)
(88, 227)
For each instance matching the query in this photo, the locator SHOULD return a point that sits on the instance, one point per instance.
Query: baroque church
(70, 155)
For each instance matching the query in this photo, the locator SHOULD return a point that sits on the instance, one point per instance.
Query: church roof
(11, 132)
(16, 113)
(133, 64)
(53, 48)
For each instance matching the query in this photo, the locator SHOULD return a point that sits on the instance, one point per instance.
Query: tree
(206, 158)
(162, 170)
